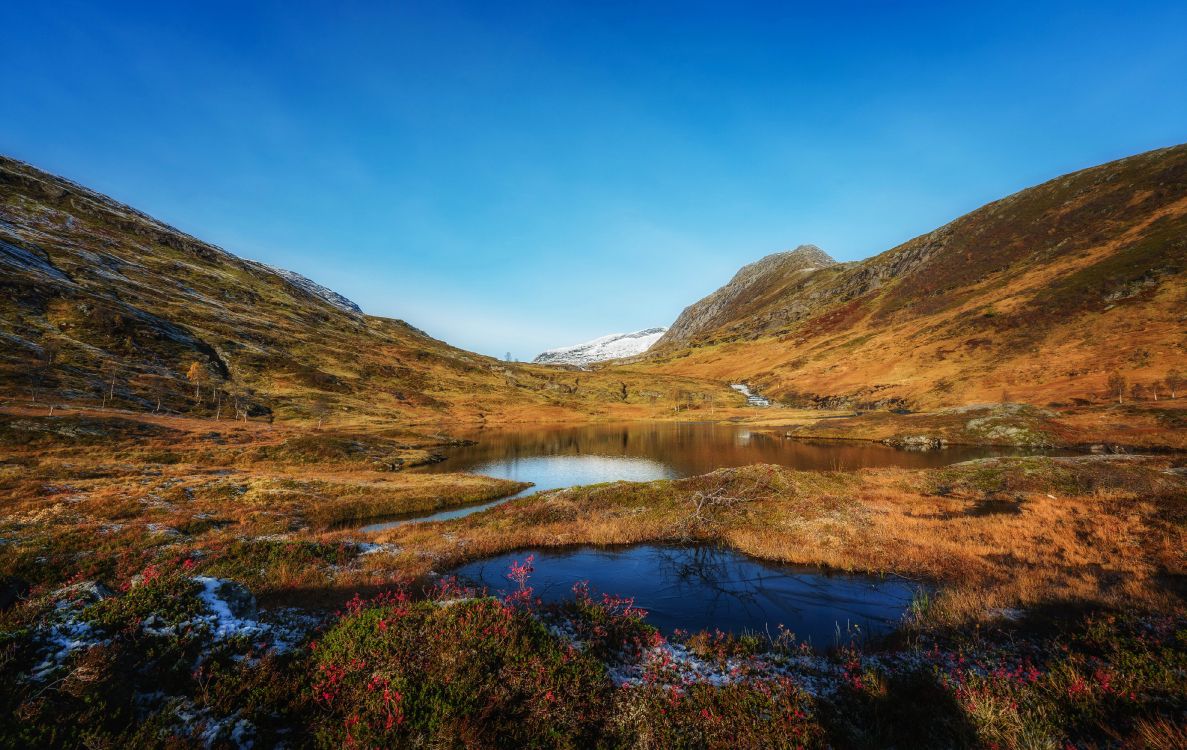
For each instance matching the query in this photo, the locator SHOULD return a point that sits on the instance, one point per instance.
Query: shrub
(751, 714)
(475, 672)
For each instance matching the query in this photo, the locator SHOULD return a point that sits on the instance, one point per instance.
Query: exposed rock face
(752, 282)
(614, 346)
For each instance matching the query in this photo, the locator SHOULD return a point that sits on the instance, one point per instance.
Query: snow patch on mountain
(310, 286)
(613, 346)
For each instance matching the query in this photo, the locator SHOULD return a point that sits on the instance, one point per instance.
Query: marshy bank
(991, 534)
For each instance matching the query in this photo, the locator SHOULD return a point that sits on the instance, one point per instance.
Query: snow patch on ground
(371, 548)
(203, 725)
(67, 631)
(61, 639)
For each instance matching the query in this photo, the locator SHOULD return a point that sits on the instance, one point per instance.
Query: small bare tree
(236, 400)
(320, 407)
(155, 388)
(241, 404)
(1155, 387)
(109, 371)
(1137, 392)
(1175, 382)
(1116, 386)
(704, 507)
(40, 364)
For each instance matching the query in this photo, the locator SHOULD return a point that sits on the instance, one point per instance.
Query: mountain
(102, 303)
(614, 346)
(752, 289)
(1039, 296)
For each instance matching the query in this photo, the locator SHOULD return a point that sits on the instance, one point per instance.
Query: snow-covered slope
(312, 287)
(614, 346)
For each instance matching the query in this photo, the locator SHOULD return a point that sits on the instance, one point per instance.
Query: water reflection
(699, 588)
(566, 456)
(682, 448)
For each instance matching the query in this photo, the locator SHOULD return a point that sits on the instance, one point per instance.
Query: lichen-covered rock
(85, 592)
(917, 442)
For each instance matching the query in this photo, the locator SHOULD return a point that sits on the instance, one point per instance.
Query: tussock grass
(1000, 533)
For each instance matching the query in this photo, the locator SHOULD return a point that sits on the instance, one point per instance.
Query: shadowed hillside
(103, 304)
(1038, 296)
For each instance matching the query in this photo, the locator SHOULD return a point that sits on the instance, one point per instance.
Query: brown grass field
(1058, 589)
(992, 534)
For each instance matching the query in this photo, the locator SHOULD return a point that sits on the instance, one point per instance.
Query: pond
(706, 588)
(565, 456)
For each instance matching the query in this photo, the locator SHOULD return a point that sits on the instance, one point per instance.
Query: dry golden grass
(104, 497)
(1001, 533)
(1136, 426)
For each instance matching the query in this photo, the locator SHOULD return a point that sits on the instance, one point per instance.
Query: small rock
(917, 442)
(87, 592)
(239, 600)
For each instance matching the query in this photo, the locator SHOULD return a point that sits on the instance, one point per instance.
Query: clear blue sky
(518, 176)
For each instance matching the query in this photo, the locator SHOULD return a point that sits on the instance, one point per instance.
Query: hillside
(1038, 297)
(603, 348)
(103, 304)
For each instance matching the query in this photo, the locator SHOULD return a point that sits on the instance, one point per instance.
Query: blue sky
(518, 176)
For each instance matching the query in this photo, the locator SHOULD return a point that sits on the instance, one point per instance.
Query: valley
(237, 510)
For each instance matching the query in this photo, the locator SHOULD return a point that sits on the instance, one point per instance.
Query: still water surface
(565, 456)
(706, 588)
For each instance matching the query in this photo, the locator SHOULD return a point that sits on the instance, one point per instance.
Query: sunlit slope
(98, 299)
(1039, 295)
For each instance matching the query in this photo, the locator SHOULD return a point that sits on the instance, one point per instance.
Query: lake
(565, 456)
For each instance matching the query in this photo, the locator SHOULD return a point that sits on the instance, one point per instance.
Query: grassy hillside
(100, 303)
(1038, 296)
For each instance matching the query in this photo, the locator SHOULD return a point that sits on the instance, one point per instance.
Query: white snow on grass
(61, 639)
(67, 632)
(222, 622)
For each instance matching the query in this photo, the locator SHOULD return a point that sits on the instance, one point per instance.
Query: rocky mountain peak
(747, 283)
